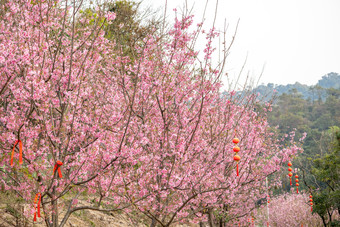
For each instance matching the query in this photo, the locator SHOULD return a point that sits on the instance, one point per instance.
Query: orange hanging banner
(39, 205)
(37, 200)
(20, 152)
(57, 167)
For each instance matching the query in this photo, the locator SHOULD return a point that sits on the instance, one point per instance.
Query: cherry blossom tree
(64, 100)
(290, 209)
(182, 137)
(150, 134)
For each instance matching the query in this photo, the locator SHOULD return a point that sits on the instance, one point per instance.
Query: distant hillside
(331, 80)
(315, 92)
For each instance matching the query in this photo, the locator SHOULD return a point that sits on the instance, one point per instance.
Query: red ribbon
(311, 209)
(20, 152)
(36, 201)
(297, 190)
(237, 168)
(290, 181)
(57, 167)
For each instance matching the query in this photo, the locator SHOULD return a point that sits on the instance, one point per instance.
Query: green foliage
(129, 28)
(326, 170)
(290, 112)
(315, 118)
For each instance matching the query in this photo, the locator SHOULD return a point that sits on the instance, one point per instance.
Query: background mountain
(315, 92)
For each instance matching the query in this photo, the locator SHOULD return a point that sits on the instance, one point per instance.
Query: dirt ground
(84, 218)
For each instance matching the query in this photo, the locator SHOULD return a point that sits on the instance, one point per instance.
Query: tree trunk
(153, 223)
(221, 222)
(54, 209)
(323, 221)
(330, 217)
(211, 218)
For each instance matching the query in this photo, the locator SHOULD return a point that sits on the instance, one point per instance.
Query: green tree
(326, 171)
(315, 118)
(131, 27)
(330, 80)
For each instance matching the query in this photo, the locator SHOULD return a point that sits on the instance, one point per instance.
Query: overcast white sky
(297, 40)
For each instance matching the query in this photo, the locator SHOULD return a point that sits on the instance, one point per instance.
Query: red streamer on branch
(237, 169)
(311, 209)
(39, 205)
(297, 190)
(20, 152)
(290, 181)
(57, 167)
(37, 200)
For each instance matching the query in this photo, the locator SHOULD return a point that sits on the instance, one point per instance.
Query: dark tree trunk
(211, 218)
(153, 223)
(323, 221)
